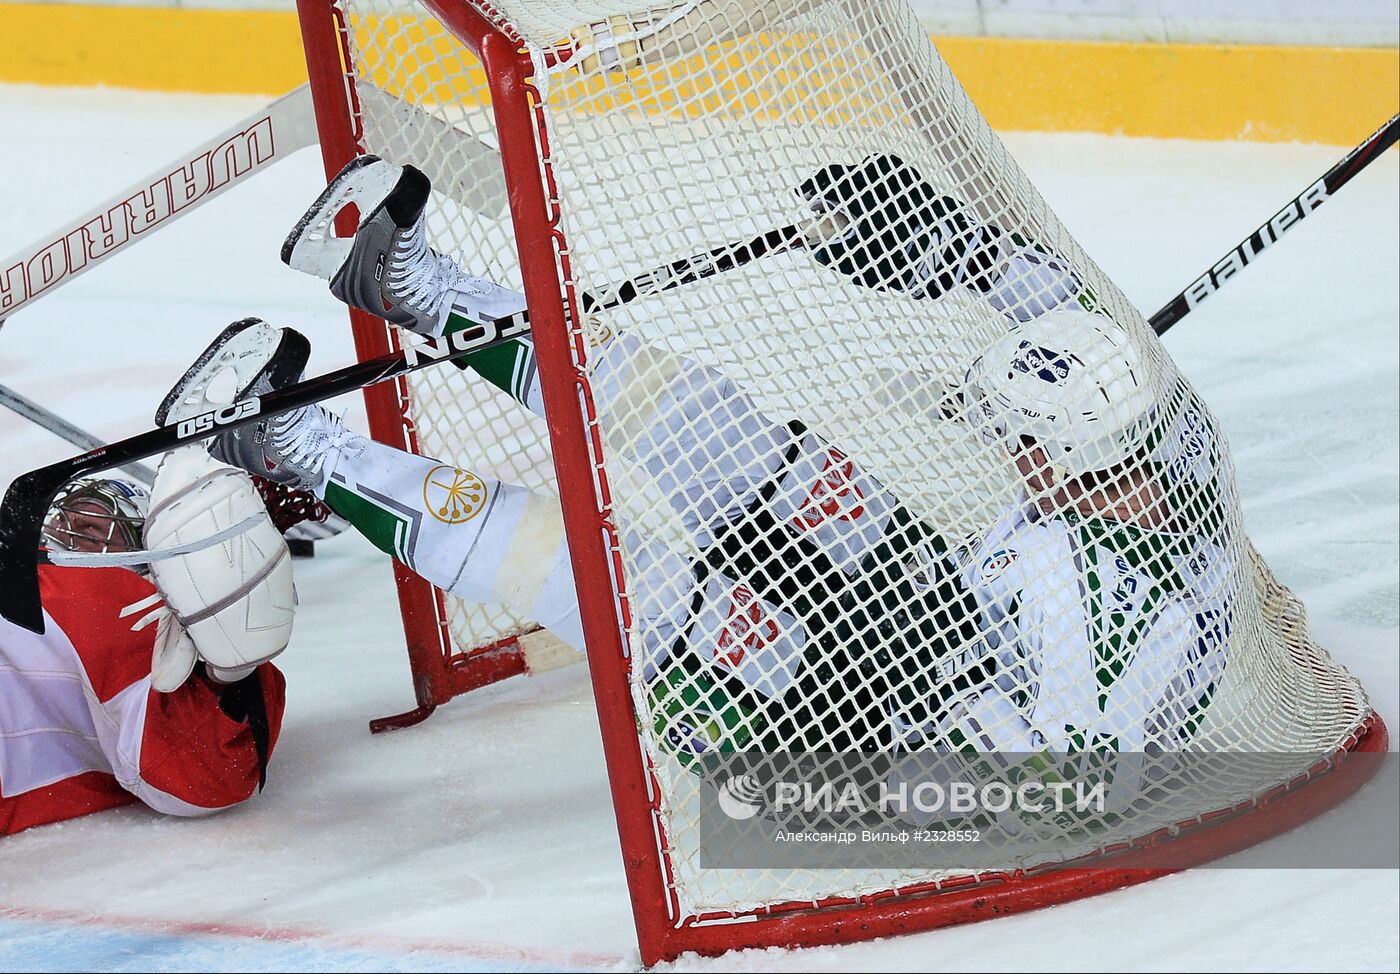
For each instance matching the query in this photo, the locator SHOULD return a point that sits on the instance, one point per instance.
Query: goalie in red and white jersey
(810, 574)
(151, 681)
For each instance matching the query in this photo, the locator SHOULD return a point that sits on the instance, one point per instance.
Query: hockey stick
(462, 167)
(300, 537)
(247, 148)
(1292, 214)
(28, 498)
(465, 169)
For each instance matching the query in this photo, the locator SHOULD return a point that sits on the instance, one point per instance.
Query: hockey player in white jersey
(1104, 591)
(811, 573)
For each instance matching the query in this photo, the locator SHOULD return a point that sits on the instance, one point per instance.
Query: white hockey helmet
(1072, 381)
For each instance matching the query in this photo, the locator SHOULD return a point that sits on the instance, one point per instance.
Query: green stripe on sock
(497, 365)
(382, 528)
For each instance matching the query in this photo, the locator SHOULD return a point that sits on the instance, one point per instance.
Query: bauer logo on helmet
(1047, 365)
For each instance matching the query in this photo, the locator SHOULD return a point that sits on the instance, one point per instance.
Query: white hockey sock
(475, 537)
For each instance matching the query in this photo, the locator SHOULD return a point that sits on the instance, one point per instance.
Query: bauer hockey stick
(1291, 215)
(30, 495)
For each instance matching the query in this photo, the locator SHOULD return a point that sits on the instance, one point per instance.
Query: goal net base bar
(439, 676)
(968, 899)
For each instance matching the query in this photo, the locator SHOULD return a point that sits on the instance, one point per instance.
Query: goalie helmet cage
(624, 161)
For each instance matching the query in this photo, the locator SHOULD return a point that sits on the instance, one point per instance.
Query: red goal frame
(441, 671)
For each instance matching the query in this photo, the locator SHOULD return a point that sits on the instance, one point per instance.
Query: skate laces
(420, 276)
(304, 438)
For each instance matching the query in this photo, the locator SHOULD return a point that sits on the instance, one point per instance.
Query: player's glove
(900, 233)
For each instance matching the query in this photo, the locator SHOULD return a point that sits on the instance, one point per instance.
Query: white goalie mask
(1073, 382)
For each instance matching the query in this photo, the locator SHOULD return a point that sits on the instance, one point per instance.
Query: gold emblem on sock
(452, 495)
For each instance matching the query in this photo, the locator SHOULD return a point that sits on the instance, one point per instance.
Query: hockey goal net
(576, 144)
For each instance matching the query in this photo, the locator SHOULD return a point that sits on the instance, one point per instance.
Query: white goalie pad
(235, 598)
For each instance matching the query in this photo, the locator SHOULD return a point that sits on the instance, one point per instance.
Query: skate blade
(312, 247)
(241, 351)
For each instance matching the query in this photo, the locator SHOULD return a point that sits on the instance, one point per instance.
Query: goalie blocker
(206, 541)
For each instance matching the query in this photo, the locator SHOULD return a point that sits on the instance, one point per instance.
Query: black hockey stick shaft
(688, 270)
(1285, 219)
(300, 536)
(29, 497)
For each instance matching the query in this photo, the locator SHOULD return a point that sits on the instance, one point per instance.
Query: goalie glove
(901, 234)
(231, 603)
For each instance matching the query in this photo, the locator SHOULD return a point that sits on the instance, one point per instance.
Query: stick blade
(21, 525)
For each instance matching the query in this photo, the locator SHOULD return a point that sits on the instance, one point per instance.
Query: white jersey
(1107, 634)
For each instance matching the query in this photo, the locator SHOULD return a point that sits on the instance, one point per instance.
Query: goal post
(803, 458)
(482, 649)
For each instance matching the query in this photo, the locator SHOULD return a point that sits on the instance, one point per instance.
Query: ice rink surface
(484, 839)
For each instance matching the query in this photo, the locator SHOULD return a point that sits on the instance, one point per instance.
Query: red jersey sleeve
(199, 749)
(208, 744)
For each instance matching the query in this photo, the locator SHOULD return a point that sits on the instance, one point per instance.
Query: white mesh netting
(1004, 522)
